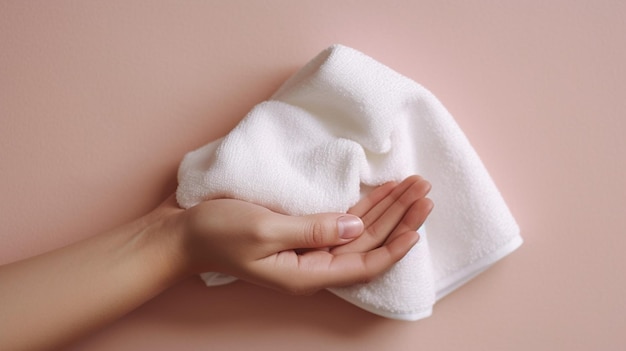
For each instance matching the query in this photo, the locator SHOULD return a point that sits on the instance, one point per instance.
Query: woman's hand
(389, 211)
(300, 255)
(95, 281)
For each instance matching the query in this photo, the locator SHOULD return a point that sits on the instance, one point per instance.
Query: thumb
(316, 231)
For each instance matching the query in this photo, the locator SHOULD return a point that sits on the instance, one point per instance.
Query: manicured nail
(349, 227)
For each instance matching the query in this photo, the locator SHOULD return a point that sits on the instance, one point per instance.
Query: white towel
(346, 122)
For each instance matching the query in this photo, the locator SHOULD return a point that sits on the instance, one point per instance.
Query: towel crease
(345, 123)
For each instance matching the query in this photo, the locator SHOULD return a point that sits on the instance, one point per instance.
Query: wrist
(161, 237)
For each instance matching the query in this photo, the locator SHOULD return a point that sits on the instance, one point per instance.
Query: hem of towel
(452, 282)
(444, 286)
(447, 285)
(408, 317)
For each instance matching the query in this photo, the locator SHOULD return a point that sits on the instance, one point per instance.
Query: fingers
(315, 270)
(414, 217)
(314, 231)
(399, 199)
(372, 199)
(405, 208)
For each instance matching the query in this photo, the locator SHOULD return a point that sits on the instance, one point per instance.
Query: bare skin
(57, 297)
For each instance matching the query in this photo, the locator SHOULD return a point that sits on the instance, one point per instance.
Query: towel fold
(345, 123)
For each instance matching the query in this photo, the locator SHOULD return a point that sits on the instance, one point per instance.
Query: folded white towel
(346, 122)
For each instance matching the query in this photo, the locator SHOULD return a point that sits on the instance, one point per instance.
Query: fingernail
(349, 227)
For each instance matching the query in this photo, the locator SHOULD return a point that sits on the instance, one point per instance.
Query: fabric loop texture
(341, 125)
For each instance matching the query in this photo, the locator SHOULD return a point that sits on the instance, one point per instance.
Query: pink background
(100, 100)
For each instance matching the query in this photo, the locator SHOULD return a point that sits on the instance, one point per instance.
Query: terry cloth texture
(345, 123)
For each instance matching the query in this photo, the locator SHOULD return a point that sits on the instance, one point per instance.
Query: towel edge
(408, 316)
(454, 281)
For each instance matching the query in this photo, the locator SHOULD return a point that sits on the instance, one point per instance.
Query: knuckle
(260, 229)
(317, 234)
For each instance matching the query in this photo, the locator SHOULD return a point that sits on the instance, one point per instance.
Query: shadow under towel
(345, 123)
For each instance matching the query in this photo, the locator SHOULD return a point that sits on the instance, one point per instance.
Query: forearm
(53, 298)
(50, 299)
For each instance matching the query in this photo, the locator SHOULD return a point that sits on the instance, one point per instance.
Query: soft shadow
(190, 309)
(193, 305)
